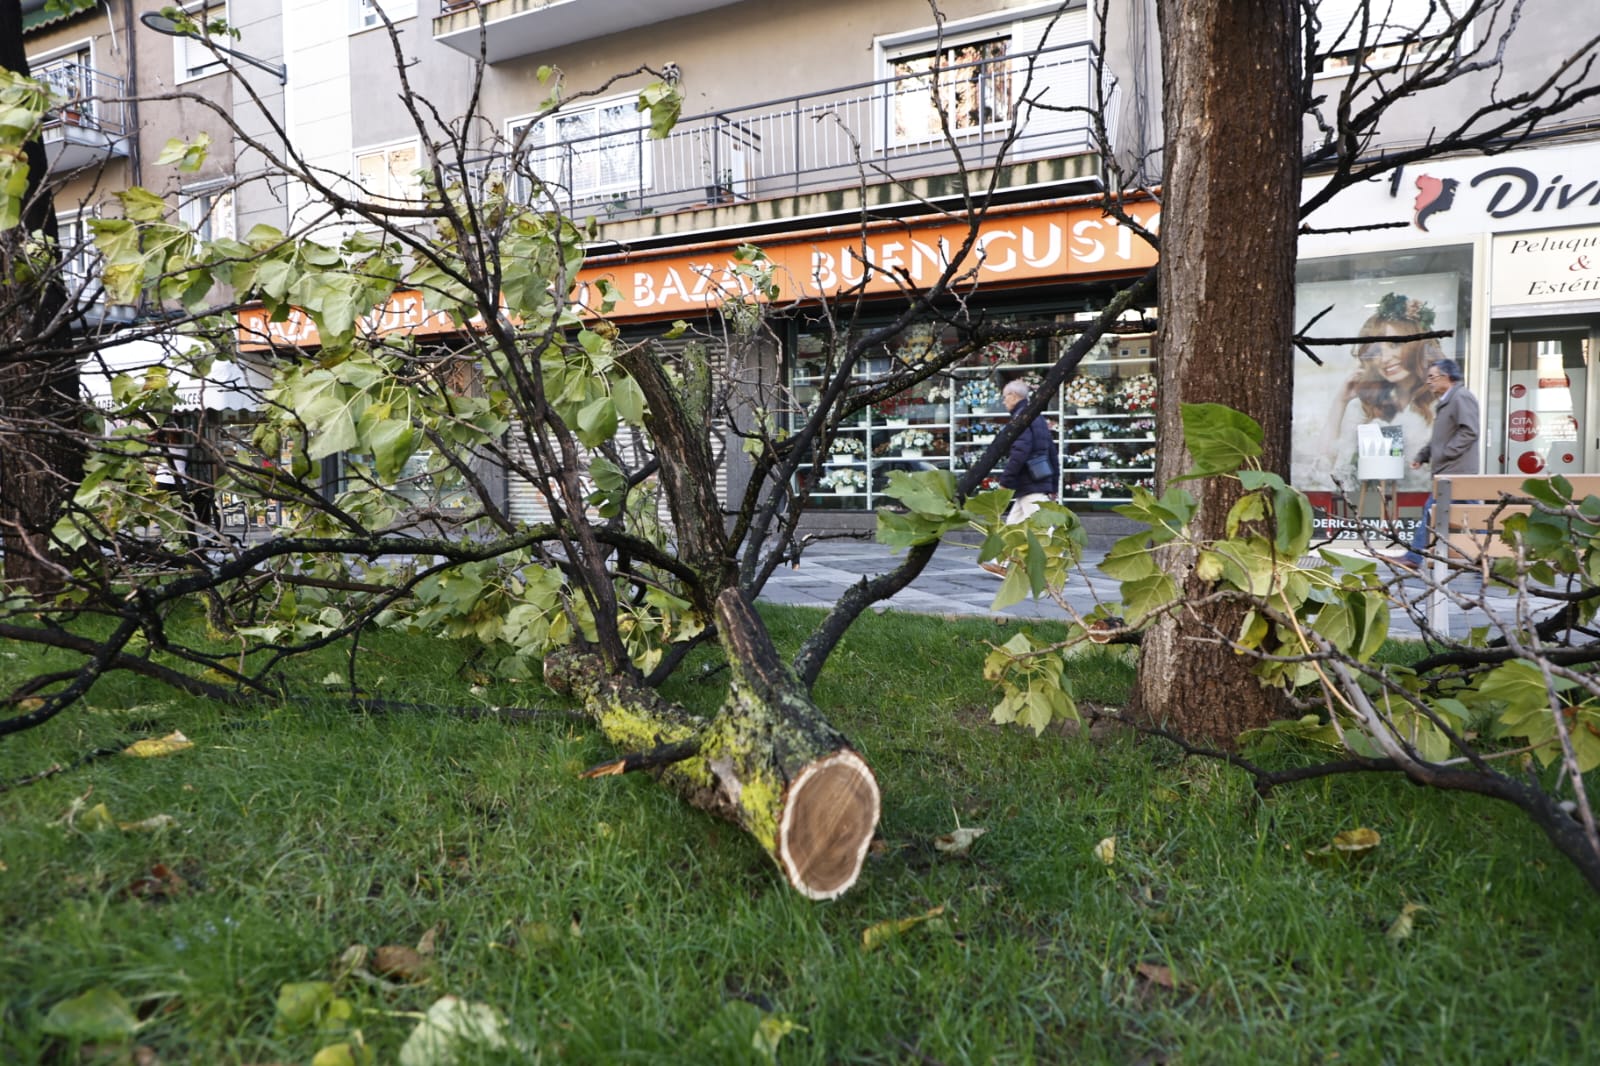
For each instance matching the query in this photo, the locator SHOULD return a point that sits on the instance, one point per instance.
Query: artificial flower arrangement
(1085, 392)
(941, 393)
(1143, 483)
(846, 447)
(1141, 427)
(1095, 429)
(894, 408)
(911, 439)
(1005, 352)
(1138, 393)
(1094, 486)
(846, 480)
(1094, 455)
(979, 393)
(1144, 458)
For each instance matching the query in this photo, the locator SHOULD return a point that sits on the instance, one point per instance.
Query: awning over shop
(235, 385)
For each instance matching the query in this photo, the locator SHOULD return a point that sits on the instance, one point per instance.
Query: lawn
(610, 922)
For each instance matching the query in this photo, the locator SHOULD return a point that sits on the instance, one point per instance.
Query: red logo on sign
(1530, 462)
(1519, 390)
(1523, 426)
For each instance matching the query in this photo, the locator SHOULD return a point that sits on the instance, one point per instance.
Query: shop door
(1538, 413)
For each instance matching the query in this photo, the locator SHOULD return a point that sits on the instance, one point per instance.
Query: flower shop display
(1138, 393)
(979, 394)
(1086, 394)
(1094, 457)
(847, 480)
(911, 442)
(844, 449)
(1095, 487)
(1141, 427)
(1144, 458)
(1095, 430)
(894, 409)
(1006, 352)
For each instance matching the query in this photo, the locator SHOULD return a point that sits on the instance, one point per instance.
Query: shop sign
(403, 313)
(1011, 247)
(1466, 196)
(1546, 266)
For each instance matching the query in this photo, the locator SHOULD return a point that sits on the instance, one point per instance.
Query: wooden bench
(1468, 511)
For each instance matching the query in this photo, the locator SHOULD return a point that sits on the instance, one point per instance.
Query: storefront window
(1368, 398)
(1103, 420)
(1537, 398)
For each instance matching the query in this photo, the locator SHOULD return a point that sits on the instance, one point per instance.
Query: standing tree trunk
(40, 458)
(1228, 229)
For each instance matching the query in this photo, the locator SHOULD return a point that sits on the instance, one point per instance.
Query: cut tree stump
(767, 761)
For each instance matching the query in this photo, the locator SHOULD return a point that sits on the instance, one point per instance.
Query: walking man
(1032, 469)
(1453, 447)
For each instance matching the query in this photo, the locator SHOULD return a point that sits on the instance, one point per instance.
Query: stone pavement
(953, 584)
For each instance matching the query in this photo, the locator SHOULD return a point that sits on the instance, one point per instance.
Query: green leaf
(1148, 595)
(1220, 439)
(1129, 559)
(451, 1031)
(664, 102)
(629, 399)
(188, 155)
(99, 1015)
(142, 205)
(597, 421)
(300, 1004)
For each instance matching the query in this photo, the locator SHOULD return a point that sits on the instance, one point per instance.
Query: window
(194, 57)
(80, 261)
(590, 151)
(208, 211)
(389, 173)
(364, 14)
(71, 79)
(1377, 34)
(970, 81)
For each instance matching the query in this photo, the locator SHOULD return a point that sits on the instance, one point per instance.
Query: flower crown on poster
(1138, 393)
(1397, 307)
(1085, 392)
(912, 438)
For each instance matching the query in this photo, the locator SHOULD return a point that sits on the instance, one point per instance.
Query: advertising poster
(1543, 426)
(1376, 381)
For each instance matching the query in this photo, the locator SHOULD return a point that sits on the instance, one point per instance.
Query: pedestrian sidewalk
(953, 584)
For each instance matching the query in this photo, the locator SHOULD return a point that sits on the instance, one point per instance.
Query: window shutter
(1061, 77)
(1389, 21)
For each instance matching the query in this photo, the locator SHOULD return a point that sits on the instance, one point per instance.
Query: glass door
(1537, 415)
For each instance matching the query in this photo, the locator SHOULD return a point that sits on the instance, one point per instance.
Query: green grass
(612, 923)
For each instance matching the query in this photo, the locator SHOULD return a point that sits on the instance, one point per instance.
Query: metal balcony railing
(601, 160)
(88, 99)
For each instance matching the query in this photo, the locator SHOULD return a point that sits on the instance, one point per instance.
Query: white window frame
(1380, 55)
(209, 210)
(545, 149)
(78, 253)
(999, 120)
(364, 13)
(400, 189)
(82, 53)
(191, 59)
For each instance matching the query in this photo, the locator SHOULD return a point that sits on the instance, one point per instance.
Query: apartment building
(815, 131)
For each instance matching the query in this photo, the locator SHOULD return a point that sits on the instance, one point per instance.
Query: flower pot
(1095, 465)
(941, 412)
(911, 453)
(1094, 494)
(897, 423)
(838, 460)
(1097, 434)
(1088, 410)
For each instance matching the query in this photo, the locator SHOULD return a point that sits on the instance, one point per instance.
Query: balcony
(88, 125)
(885, 136)
(523, 27)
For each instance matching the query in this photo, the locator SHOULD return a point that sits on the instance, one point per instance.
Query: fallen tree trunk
(766, 761)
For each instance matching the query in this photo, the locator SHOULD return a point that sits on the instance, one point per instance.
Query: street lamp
(164, 25)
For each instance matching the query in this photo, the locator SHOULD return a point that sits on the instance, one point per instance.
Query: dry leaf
(152, 748)
(958, 842)
(874, 935)
(1106, 850)
(399, 962)
(425, 945)
(160, 883)
(1352, 843)
(1403, 922)
(151, 824)
(1157, 974)
(353, 959)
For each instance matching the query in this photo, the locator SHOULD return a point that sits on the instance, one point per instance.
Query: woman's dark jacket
(1035, 439)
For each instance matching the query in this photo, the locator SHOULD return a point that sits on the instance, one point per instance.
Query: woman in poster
(1387, 388)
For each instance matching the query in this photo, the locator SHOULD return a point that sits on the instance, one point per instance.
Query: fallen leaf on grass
(958, 842)
(353, 959)
(159, 884)
(152, 824)
(875, 935)
(151, 748)
(399, 962)
(425, 945)
(100, 1014)
(450, 1028)
(1403, 922)
(1106, 850)
(95, 818)
(1156, 974)
(1352, 843)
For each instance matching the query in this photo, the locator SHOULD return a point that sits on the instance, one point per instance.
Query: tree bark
(767, 761)
(40, 459)
(1228, 234)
